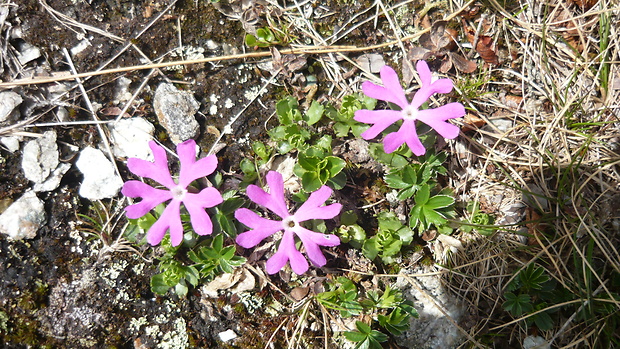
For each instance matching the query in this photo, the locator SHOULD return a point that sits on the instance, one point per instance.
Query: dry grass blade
(557, 153)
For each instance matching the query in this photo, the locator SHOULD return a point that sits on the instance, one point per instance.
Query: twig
(300, 50)
(89, 105)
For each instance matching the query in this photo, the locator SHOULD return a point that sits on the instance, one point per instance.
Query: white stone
(53, 180)
(81, 46)
(535, 342)
(122, 93)
(9, 100)
(28, 53)
(40, 157)
(130, 138)
(227, 335)
(11, 143)
(100, 178)
(40, 163)
(23, 218)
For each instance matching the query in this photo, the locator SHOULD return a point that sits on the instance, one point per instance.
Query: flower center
(289, 223)
(410, 113)
(178, 193)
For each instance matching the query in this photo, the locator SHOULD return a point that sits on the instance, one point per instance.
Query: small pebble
(227, 335)
(100, 178)
(130, 138)
(40, 162)
(9, 100)
(23, 218)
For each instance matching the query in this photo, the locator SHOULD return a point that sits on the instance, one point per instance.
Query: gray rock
(535, 342)
(130, 138)
(41, 164)
(175, 111)
(9, 100)
(53, 181)
(27, 53)
(40, 157)
(100, 178)
(23, 218)
(432, 329)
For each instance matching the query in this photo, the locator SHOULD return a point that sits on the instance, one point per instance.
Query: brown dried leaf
(513, 101)
(534, 228)
(408, 73)
(372, 62)
(426, 22)
(484, 47)
(463, 64)
(287, 63)
(417, 53)
(429, 235)
(439, 36)
(113, 111)
(299, 293)
(472, 122)
(446, 65)
(427, 42)
(472, 11)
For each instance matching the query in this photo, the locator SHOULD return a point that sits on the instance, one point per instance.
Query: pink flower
(263, 227)
(177, 192)
(410, 112)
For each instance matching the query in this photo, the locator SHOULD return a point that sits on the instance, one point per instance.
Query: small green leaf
(339, 181)
(363, 328)
(439, 201)
(181, 289)
(422, 196)
(310, 181)
(517, 305)
(335, 165)
(250, 40)
(355, 336)
(314, 113)
(158, 284)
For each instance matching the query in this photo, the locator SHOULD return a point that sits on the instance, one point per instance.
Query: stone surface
(432, 329)
(11, 143)
(535, 342)
(23, 218)
(175, 111)
(27, 53)
(40, 162)
(9, 100)
(100, 178)
(130, 138)
(227, 335)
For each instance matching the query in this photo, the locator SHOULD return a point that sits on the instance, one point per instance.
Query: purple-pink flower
(177, 192)
(262, 228)
(392, 91)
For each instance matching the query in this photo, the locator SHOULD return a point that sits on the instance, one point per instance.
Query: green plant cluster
(530, 291)
(389, 311)
(316, 164)
(274, 34)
